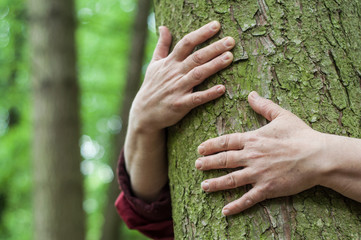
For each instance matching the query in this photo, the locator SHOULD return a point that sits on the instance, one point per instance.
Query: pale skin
(283, 158)
(165, 97)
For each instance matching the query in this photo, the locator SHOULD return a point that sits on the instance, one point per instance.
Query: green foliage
(15, 174)
(103, 43)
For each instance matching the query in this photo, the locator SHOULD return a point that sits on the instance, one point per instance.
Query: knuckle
(222, 160)
(177, 106)
(254, 155)
(251, 141)
(262, 171)
(255, 137)
(268, 189)
(186, 67)
(196, 99)
(223, 142)
(197, 58)
(168, 61)
(239, 137)
(186, 41)
(250, 201)
(248, 176)
(259, 195)
(197, 74)
(170, 91)
(231, 181)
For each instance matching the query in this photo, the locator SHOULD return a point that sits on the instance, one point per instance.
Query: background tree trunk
(111, 226)
(304, 55)
(58, 188)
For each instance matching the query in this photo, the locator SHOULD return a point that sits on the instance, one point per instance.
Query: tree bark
(111, 227)
(58, 187)
(305, 56)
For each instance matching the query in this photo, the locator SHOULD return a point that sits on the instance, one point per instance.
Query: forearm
(145, 156)
(165, 97)
(344, 169)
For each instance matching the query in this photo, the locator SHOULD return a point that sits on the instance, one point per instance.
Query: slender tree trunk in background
(111, 227)
(304, 55)
(58, 187)
(19, 38)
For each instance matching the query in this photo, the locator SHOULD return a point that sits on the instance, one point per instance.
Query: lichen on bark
(302, 54)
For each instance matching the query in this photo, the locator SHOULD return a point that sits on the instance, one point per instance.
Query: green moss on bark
(304, 55)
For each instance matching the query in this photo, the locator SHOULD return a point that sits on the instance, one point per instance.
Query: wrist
(332, 153)
(344, 159)
(317, 164)
(141, 122)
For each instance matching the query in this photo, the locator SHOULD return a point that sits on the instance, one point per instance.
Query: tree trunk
(58, 188)
(111, 226)
(305, 56)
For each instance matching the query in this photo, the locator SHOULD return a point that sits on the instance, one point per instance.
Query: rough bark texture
(304, 55)
(58, 188)
(111, 227)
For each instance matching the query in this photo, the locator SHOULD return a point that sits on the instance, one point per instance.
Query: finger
(234, 141)
(198, 98)
(200, 73)
(229, 181)
(227, 159)
(265, 107)
(252, 197)
(163, 45)
(186, 45)
(207, 53)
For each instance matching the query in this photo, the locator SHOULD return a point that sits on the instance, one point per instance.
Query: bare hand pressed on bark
(282, 158)
(165, 97)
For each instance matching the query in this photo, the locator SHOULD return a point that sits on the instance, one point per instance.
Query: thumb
(265, 107)
(163, 45)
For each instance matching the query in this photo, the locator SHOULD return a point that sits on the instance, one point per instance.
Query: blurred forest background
(103, 42)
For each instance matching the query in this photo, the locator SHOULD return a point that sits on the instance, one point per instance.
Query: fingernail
(254, 95)
(229, 42)
(160, 29)
(198, 164)
(227, 56)
(205, 186)
(225, 212)
(220, 90)
(201, 150)
(215, 25)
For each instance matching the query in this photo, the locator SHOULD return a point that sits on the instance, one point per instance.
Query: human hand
(166, 95)
(280, 159)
